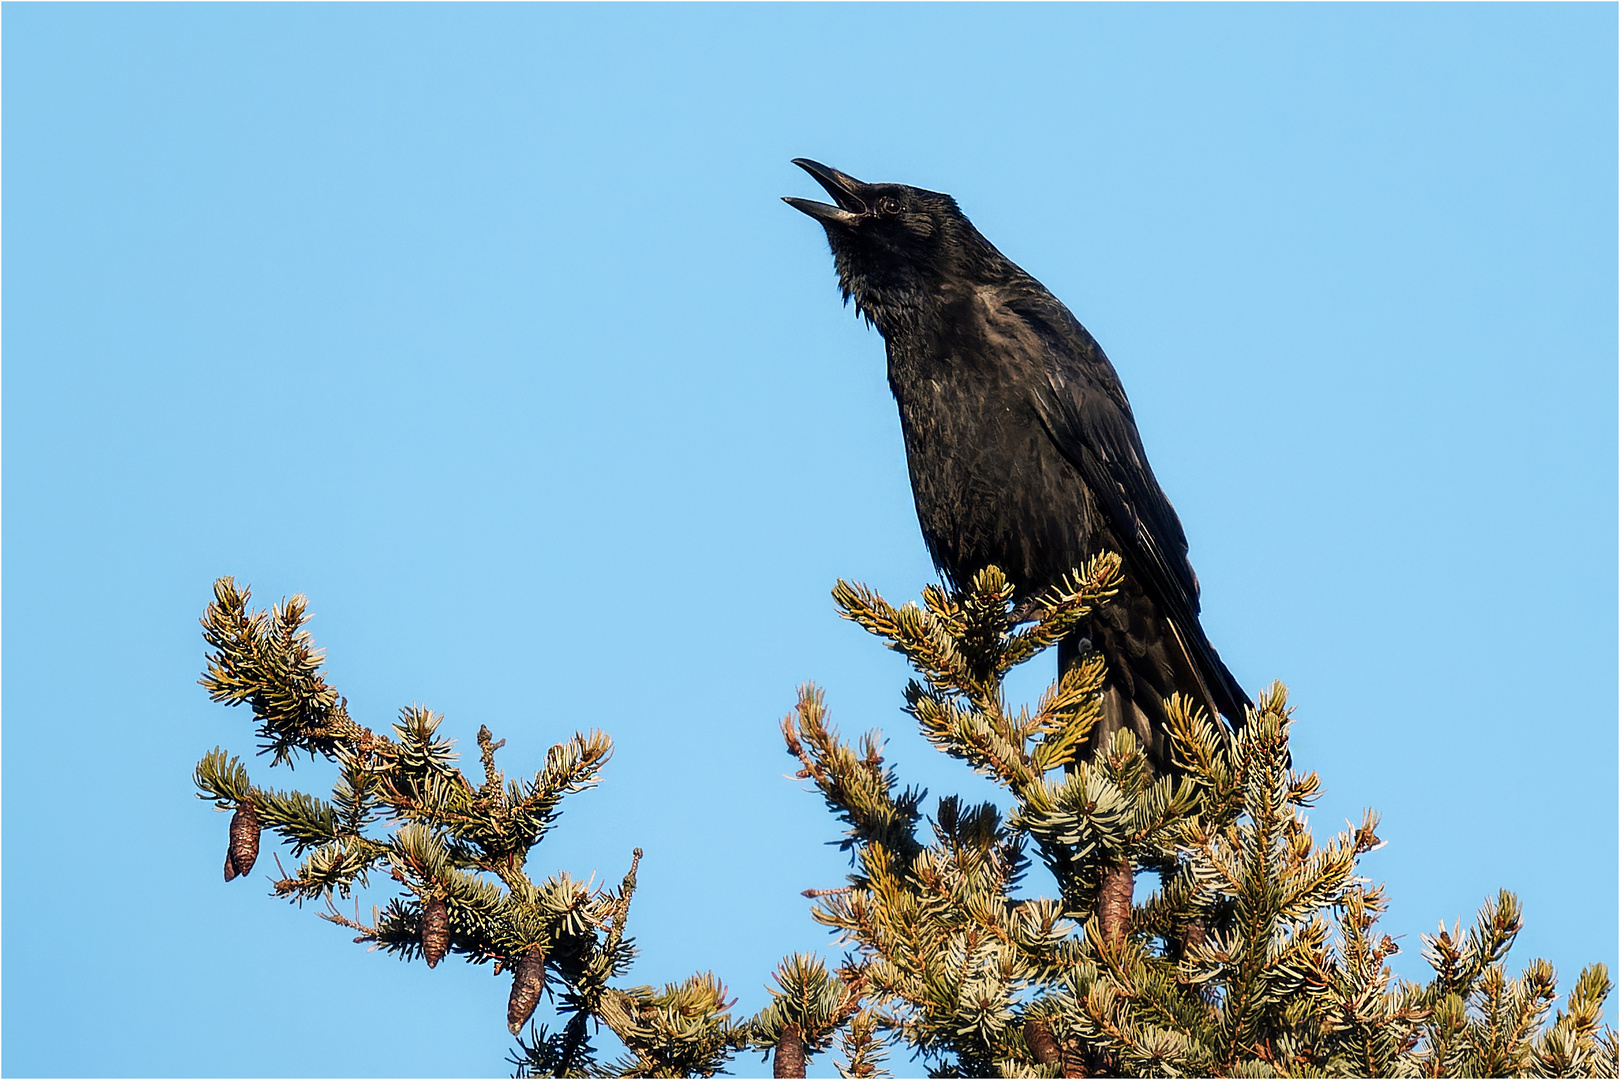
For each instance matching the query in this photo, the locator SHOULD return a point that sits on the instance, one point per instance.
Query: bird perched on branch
(1021, 444)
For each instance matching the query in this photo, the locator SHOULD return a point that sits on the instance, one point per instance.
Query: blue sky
(484, 327)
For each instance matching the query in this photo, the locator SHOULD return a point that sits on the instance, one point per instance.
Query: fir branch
(1258, 955)
(856, 787)
(456, 850)
(268, 660)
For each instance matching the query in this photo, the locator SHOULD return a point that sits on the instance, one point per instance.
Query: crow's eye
(889, 205)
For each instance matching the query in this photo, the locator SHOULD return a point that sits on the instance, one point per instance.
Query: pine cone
(243, 850)
(1069, 1055)
(528, 979)
(1114, 902)
(435, 930)
(1041, 1043)
(788, 1061)
(1076, 1062)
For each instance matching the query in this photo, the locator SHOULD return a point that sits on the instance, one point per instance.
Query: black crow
(1021, 445)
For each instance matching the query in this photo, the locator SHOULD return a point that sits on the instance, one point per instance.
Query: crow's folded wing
(1085, 412)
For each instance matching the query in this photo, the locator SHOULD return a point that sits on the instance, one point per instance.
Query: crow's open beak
(845, 190)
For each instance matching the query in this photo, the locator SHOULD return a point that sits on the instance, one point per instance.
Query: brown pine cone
(1114, 902)
(435, 930)
(1076, 1062)
(528, 979)
(243, 850)
(1069, 1055)
(1041, 1043)
(788, 1061)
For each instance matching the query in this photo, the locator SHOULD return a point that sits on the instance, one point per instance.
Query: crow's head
(894, 245)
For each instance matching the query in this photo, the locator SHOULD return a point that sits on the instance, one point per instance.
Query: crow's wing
(1085, 411)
